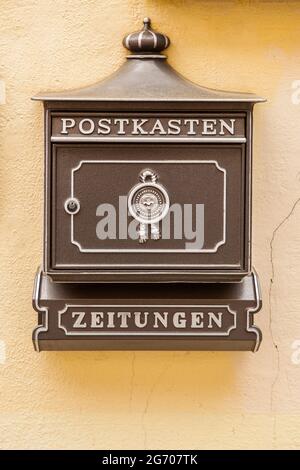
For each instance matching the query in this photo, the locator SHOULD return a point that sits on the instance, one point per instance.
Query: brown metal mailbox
(148, 179)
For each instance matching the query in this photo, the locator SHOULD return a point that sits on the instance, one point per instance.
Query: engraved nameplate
(96, 127)
(142, 320)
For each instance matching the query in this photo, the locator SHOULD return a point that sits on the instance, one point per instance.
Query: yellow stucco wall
(151, 399)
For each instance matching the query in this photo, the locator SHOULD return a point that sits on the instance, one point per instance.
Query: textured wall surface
(151, 399)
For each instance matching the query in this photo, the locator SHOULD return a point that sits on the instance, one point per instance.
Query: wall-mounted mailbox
(148, 183)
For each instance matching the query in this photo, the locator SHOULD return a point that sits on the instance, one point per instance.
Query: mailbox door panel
(204, 224)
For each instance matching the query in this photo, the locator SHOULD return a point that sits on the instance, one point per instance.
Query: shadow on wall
(173, 376)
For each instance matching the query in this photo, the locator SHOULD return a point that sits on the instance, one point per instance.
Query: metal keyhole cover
(72, 205)
(148, 201)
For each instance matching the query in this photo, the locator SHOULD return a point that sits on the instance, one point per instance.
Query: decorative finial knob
(147, 22)
(146, 40)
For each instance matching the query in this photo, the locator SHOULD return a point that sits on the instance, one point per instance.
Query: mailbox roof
(147, 78)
